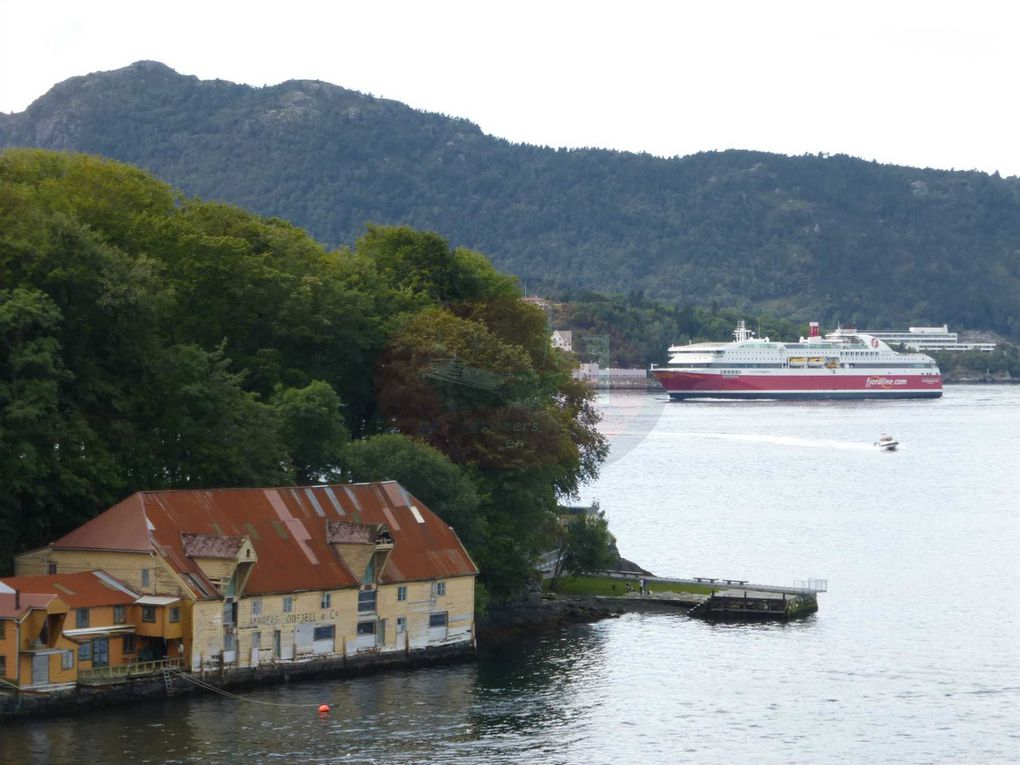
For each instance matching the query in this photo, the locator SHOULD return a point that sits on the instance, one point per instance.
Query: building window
(3, 626)
(366, 628)
(401, 624)
(256, 640)
(129, 644)
(119, 614)
(3, 666)
(324, 603)
(228, 641)
(402, 593)
(67, 660)
(366, 601)
(85, 652)
(81, 617)
(288, 604)
(175, 614)
(145, 578)
(437, 620)
(256, 607)
(51, 568)
(440, 588)
(324, 633)
(149, 614)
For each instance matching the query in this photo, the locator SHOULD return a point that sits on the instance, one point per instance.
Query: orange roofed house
(33, 652)
(106, 621)
(253, 576)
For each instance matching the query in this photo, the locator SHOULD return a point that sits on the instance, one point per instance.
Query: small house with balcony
(111, 628)
(33, 650)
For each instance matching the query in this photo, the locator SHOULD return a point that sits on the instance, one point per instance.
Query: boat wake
(811, 443)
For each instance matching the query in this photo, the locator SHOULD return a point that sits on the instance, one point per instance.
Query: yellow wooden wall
(206, 641)
(458, 603)
(9, 649)
(57, 674)
(31, 626)
(126, 566)
(356, 556)
(219, 570)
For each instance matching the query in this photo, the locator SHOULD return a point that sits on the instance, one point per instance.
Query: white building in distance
(929, 339)
(563, 339)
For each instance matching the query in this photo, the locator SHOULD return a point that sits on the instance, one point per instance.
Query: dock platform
(738, 599)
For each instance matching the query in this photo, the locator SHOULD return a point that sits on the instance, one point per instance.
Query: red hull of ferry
(681, 385)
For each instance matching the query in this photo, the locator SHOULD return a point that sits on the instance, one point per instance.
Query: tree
(313, 431)
(586, 547)
(52, 466)
(473, 375)
(200, 429)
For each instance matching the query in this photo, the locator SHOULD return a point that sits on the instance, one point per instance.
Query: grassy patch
(601, 585)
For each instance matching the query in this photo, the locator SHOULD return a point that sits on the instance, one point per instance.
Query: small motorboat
(887, 443)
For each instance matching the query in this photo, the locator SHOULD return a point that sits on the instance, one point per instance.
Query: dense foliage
(149, 340)
(1002, 364)
(830, 238)
(633, 331)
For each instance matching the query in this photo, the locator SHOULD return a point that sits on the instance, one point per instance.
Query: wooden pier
(755, 605)
(739, 599)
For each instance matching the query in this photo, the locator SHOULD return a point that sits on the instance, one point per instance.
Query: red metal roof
(122, 527)
(26, 601)
(84, 589)
(288, 527)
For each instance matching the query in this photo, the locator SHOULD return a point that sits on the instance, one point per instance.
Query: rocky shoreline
(540, 613)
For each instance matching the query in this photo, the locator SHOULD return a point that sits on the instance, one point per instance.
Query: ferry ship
(845, 364)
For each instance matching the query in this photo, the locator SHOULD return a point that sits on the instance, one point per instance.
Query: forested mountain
(831, 238)
(149, 340)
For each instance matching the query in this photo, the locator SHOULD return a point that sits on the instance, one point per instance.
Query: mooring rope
(228, 694)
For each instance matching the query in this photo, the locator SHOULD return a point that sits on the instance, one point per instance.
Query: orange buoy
(323, 709)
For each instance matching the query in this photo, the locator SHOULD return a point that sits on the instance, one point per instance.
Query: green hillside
(831, 238)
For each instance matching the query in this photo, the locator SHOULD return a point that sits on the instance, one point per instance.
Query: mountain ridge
(833, 238)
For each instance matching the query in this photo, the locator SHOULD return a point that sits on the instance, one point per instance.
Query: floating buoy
(323, 709)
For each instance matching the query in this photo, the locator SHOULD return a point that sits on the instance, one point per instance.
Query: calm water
(914, 656)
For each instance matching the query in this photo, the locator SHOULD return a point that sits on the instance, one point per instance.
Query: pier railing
(101, 675)
(800, 587)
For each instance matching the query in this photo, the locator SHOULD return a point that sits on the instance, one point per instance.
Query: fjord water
(912, 657)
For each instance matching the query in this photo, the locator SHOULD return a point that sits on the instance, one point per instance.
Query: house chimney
(17, 600)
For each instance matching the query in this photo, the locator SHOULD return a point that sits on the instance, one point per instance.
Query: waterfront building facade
(255, 576)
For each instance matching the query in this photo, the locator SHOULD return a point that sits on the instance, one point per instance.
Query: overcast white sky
(926, 84)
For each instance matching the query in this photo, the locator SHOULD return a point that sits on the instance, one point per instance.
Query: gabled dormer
(226, 561)
(44, 623)
(363, 547)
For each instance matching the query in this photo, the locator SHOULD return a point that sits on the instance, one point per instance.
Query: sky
(923, 84)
